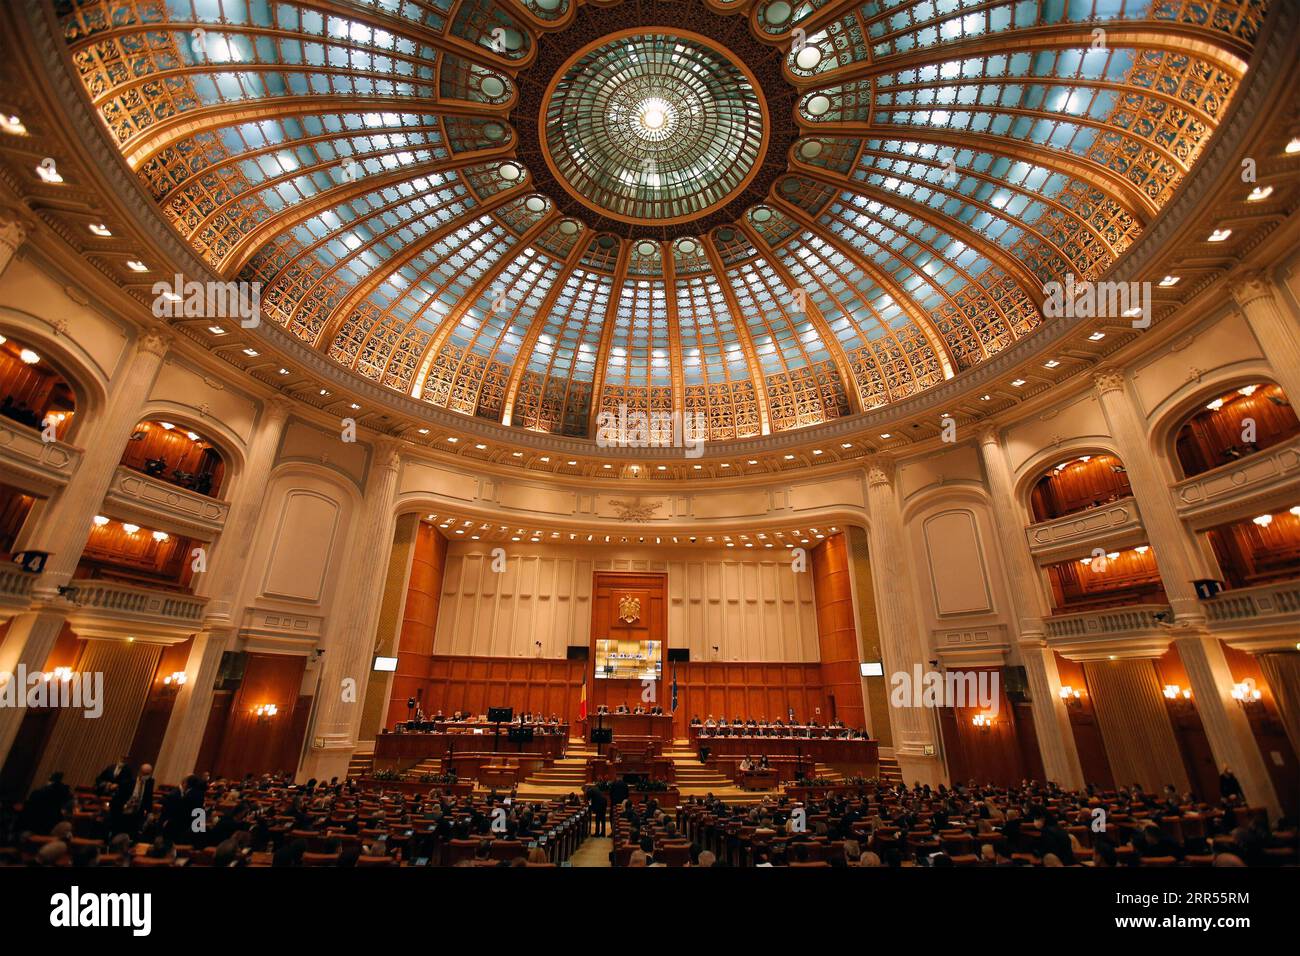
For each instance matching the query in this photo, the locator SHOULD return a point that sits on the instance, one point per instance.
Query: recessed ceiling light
(608, 466)
(662, 467)
(817, 451)
(355, 407)
(789, 457)
(29, 357)
(1293, 146)
(697, 467)
(324, 393)
(753, 461)
(216, 330)
(546, 459)
(1259, 192)
(284, 371)
(135, 265)
(725, 464)
(1169, 281)
(481, 447)
(846, 444)
(48, 172)
(572, 463)
(986, 398)
(99, 229)
(1219, 235)
(1051, 363)
(453, 439)
(516, 454)
(886, 435)
(1096, 336)
(423, 431)
(1018, 382)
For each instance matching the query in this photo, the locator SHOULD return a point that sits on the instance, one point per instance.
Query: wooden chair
(320, 859)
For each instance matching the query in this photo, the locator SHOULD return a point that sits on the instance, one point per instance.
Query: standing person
(1229, 785)
(131, 803)
(599, 805)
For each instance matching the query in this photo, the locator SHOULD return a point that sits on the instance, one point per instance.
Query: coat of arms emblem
(629, 609)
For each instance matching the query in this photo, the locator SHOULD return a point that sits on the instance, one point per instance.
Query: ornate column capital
(1247, 287)
(989, 435)
(880, 470)
(277, 409)
(388, 454)
(154, 342)
(1108, 379)
(14, 229)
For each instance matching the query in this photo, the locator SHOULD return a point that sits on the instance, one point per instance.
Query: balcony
(1110, 527)
(1095, 635)
(32, 464)
(1257, 619)
(155, 503)
(15, 590)
(1243, 488)
(107, 609)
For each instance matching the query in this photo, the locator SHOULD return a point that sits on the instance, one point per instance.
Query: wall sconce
(1180, 698)
(1073, 698)
(1247, 694)
(984, 722)
(174, 681)
(265, 712)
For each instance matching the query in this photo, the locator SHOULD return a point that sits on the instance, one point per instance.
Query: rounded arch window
(176, 454)
(1234, 424)
(1078, 484)
(33, 391)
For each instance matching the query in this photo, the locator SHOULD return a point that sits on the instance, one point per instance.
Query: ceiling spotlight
(48, 172)
(1259, 193)
(135, 265)
(1169, 281)
(1263, 520)
(99, 229)
(1219, 235)
(252, 353)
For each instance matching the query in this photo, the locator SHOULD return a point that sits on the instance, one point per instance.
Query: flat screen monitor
(385, 663)
(602, 735)
(629, 660)
(500, 715)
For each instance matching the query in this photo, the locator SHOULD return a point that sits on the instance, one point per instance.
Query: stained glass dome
(774, 213)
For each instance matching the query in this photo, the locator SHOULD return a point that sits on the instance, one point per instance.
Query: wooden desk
(659, 726)
(424, 746)
(756, 779)
(859, 756)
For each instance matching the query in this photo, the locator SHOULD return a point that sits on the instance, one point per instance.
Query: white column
(351, 642)
(1275, 330)
(13, 233)
(1226, 725)
(189, 719)
(1177, 555)
(64, 527)
(901, 642)
(1051, 716)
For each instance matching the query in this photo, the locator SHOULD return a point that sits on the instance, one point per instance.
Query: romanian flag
(582, 700)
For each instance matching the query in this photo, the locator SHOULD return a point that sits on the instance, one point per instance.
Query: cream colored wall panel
(29, 291)
(959, 464)
(420, 478)
(303, 442)
(955, 559)
(1079, 422)
(304, 540)
(541, 501)
(828, 494)
(732, 505)
(205, 397)
(1225, 342)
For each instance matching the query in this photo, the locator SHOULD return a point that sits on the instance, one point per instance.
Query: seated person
(555, 719)
(639, 709)
(696, 722)
(737, 722)
(746, 764)
(602, 709)
(622, 709)
(710, 722)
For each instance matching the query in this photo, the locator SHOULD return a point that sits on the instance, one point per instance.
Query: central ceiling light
(653, 114)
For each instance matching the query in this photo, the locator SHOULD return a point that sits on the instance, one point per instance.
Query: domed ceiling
(774, 213)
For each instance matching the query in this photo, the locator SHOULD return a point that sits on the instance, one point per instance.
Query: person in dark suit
(618, 792)
(599, 805)
(1052, 839)
(112, 776)
(178, 809)
(131, 803)
(1229, 785)
(46, 806)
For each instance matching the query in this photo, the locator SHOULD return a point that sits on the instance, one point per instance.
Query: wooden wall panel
(837, 634)
(158, 705)
(1213, 438)
(1078, 486)
(1272, 674)
(1250, 554)
(1193, 744)
(990, 755)
(249, 745)
(419, 622)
